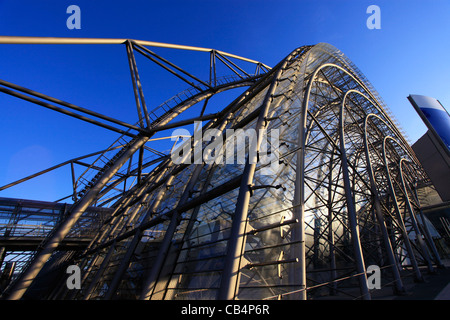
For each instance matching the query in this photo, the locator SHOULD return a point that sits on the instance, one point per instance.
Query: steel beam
(351, 211)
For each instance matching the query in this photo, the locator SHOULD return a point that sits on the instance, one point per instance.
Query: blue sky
(408, 55)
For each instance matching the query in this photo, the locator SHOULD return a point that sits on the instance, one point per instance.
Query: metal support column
(137, 86)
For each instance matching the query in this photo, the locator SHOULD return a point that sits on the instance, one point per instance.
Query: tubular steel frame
(342, 198)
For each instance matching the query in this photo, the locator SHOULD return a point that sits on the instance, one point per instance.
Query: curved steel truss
(342, 195)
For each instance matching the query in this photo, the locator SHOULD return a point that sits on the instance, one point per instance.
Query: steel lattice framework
(343, 197)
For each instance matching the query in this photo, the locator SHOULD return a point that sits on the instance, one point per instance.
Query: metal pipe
(213, 52)
(151, 280)
(98, 273)
(66, 112)
(69, 105)
(211, 57)
(133, 80)
(138, 83)
(125, 261)
(74, 184)
(297, 274)
(270, 263)
(173, 65)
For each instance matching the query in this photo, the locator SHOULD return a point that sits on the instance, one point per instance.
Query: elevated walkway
(25, 224)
